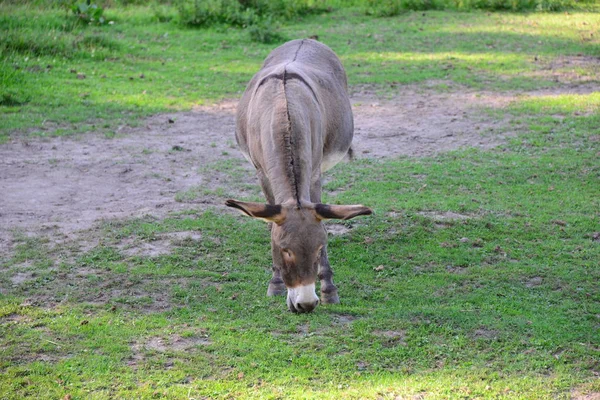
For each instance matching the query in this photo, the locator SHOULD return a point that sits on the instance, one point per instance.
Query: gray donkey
(294, 122)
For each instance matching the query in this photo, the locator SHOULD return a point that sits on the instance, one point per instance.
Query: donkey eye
(288, 256)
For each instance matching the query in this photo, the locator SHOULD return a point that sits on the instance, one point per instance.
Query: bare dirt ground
(59, 186)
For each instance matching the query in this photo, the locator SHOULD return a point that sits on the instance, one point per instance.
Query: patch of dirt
(337, 229)
(362, 365)
(534, 282)
(14, 318)
(484, 333)
(69, 184)
(444, 216)
(303, 329)
(58, 186)
(457, 269)
(577, 395)
(171, 343)
(161, 245)
(32, 356)
(21, 277)
(568, 69)
(103, 288)
(424, 124)
(392, 338)
(343, 319)
(145, 249)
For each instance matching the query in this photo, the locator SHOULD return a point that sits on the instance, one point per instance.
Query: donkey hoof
(330, 298)
(276, 289)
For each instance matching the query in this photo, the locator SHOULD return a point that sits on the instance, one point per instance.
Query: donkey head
(297, 238)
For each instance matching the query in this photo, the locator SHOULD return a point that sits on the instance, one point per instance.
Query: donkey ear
(267, 212)
(325, 211)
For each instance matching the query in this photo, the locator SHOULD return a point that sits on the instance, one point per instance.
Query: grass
(476, 277)
(502, 301)
(55, 74)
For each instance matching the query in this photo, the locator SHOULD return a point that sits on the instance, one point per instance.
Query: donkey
(294, 122)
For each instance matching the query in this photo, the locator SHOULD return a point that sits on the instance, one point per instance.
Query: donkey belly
(331, 159)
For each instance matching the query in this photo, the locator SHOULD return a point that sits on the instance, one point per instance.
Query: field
(123, 275)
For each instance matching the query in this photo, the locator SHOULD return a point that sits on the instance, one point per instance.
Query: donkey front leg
(276, 285)
(329, 292)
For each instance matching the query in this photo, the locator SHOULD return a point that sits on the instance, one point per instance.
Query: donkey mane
(293, 172)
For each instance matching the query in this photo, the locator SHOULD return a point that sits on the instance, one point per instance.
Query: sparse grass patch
(559, 104)
(228, 178)
(390, 8)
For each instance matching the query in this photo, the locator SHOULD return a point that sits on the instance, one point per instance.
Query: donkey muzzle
(302, 299)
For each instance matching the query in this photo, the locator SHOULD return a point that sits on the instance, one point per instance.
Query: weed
(164, 13)
(198, 13)
(259, 17)
(265, 31)
(10, 99)
(88, 12)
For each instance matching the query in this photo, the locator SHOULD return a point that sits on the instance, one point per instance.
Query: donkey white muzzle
(302, 299)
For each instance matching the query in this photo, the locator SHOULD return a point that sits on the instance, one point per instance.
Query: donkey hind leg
(329, 292)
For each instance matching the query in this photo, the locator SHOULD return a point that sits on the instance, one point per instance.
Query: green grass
(56, 74)
(497, 300)
(501, 301)
(512, 311)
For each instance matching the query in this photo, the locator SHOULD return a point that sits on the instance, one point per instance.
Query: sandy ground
(59, 186)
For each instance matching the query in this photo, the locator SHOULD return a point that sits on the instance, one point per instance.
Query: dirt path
(61, 185)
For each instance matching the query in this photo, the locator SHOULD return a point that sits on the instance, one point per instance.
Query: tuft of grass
(259, 17)
(266, 31)
(243, 13)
